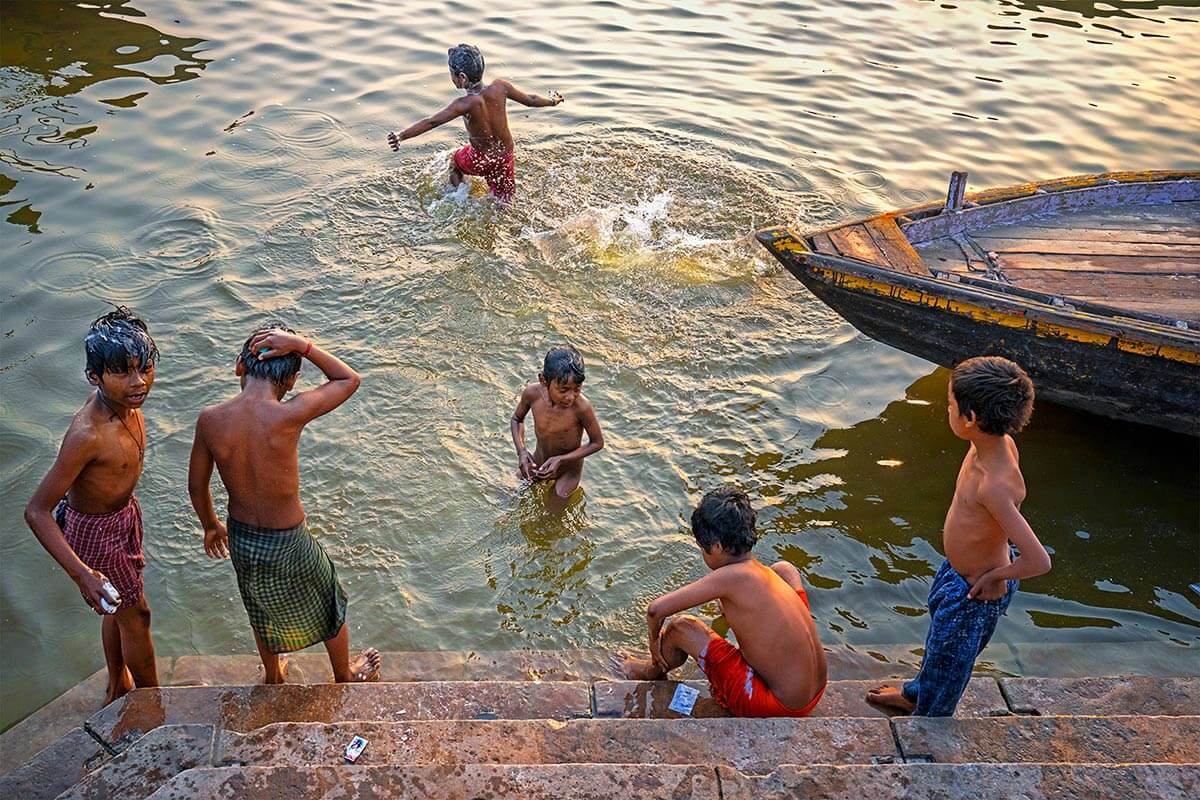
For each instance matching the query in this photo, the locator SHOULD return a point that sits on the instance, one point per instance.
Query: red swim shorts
(738, 689)
(497, 168)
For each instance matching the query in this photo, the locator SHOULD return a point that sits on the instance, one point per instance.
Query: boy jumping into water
(778, 667)
(560, 416)
(988, 399)
(85, 512)
(287, 582)
(490, 152)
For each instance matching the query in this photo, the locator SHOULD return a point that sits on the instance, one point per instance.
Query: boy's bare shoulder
(583, 406)
(531, 392)
(84, 430)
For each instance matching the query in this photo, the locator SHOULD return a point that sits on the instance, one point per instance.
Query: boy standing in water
(778, 667)
(560, 416)
(287, 582)
(988, 399)
(85, 512)
(490, 152)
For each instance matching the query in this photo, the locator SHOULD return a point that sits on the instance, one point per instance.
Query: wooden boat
(1092, 283)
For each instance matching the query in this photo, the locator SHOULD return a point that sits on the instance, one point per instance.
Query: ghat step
(751, 746)
(601, 782)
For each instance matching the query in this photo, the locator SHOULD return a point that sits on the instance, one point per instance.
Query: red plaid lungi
(110, 543)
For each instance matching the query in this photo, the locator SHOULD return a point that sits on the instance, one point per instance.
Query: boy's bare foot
(890, 697)
(640, 669)
(365, 667)
(122, 687)
(283, 672)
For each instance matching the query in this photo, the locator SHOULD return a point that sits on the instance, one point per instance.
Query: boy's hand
(90, 585)
(655, 647)
(988, 587)
(549, 468)
(527, 466)
(216, 541)
(555, 97)
(394, 141)
(272, 344)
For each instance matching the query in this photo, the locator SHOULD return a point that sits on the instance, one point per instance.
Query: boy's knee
(788, 572)
(137, 616)
(685, 625)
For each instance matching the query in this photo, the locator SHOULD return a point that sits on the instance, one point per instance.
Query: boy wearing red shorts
(778, 667)
(484, 110)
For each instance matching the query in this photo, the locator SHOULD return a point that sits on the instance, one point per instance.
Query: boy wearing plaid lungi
(288, 584)
(988, 399)
(85, 512)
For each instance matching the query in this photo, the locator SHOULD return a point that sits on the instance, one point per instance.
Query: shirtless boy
(560, 416)
(490, 152)
(778, 668)
(988, 399)
(94, 532)
(288, 584)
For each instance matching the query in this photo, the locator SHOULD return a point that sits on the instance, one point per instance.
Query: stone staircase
(548, 725)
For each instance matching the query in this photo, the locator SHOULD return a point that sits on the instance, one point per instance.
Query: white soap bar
(684, 700)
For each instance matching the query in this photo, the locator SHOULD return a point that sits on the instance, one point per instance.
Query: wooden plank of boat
(854, 241)
(1135, 265)
(1178, 234)
(1095, 247)
(899, 253)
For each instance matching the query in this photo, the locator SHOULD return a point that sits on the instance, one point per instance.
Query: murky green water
(684, 129)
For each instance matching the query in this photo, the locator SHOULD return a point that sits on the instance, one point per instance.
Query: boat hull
(1106, 372)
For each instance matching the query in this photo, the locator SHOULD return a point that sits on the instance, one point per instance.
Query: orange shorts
(735, 686)
(498, 169)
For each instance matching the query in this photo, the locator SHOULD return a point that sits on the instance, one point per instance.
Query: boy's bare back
(773, 626)
(255, 446)
(973, 538)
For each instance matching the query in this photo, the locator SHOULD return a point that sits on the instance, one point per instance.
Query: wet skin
(561, 415)
(97, 469)
(775, 631)
(984, 517)
(253, 440)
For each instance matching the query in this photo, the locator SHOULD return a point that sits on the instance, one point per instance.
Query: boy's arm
(595, 442)
(200, 468)
(696, 593)
(341, 381)
(531, 100)
(1033, 559)
(516, 425)
(452, 111)
(78, 449)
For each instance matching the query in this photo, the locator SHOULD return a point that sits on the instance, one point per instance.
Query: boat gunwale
(1127, 328)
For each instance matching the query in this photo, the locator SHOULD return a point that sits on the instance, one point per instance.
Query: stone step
(1101, 696)
(1107, 740)
(650, 699)
(244, 708)
(55, 768)
(675, 782)
(753, 746)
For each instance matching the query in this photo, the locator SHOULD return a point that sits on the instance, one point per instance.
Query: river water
(217, 164)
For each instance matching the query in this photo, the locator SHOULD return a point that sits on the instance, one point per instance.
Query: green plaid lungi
(288, 585)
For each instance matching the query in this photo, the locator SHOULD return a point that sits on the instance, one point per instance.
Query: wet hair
(725, 517)
(467, 59)
(116, 339)
(563, 362)
(278, 370)
(997, 390)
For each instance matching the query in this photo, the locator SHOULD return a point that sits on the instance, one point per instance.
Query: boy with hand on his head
(288, 584)
(560, 416)
(85, 512)
(988, 399)
(483, 109)
(778, 667)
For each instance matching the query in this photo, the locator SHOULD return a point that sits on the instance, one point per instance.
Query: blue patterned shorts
(959, 629)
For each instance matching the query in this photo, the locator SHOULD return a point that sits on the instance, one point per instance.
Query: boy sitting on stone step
(988, 399)
(778, 667)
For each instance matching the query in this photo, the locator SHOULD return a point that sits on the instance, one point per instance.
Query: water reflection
(51, 51)
(540, 567)
(886, 483)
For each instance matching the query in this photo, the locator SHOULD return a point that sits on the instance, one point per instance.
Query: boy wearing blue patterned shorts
(288, 584)
(988, 399)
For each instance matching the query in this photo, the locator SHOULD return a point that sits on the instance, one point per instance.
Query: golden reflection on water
(212, 164)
